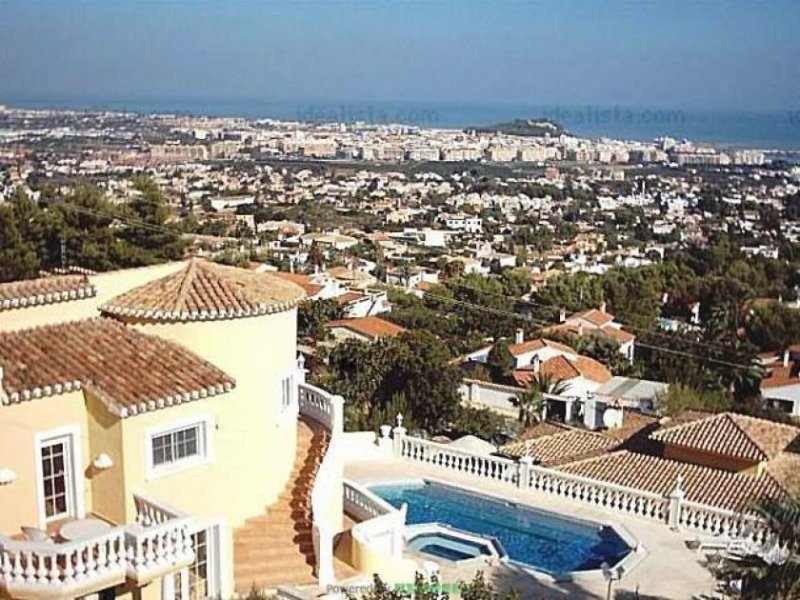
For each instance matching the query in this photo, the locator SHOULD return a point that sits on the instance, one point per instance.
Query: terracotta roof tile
(730, 491)
(203, 291)
(372, 327)
(780, 376)
(304, 281)
(561, 447)
(594, 316)
(538, 344)
(618, 334)
(592, 369)
(44, 290)
(130, 371)
(731, 434)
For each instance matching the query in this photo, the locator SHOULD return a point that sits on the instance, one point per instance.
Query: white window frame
(204, 442)
(216, 557)
(71, 434)
(287, 410)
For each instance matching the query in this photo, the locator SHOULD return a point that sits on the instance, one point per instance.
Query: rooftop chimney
(562, 315)
(785, 364)
(580, 328)
(537, 363)
(603, 306)
(520, 336)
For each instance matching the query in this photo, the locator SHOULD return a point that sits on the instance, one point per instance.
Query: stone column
(385, 440)
(323, 548)
(398, 433)
(301, 369)
(168, 587)
(676, 497)
(337, 425)
(524, 471)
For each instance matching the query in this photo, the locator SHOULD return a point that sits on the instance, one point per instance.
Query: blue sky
(725, 54)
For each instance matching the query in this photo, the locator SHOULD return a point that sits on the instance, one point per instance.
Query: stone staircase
(277, 547)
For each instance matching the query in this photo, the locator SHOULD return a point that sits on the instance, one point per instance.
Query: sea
(766, 130)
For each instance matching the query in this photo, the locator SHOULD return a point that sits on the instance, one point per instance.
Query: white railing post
(676, 497)
(337, 416)
(323, 548)
(301, 369)
(398, 433)
(385, 440)
(524, 471)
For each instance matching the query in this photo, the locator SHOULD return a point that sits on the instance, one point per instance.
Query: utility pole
(63, 253)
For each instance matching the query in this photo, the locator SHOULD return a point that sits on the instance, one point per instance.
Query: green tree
(18, 258)
(531, 401)
(313, 314)
(500, 362)
(773, 574)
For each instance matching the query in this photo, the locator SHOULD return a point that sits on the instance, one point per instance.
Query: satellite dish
(612, 418)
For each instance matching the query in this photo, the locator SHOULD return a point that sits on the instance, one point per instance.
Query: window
(177, 447)
(202, 576)
(198, 570)
(56, 478)
(287, 391)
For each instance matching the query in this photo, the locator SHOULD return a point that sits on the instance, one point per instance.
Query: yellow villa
(158, 439)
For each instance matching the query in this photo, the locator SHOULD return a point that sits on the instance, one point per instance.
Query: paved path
(668, 569)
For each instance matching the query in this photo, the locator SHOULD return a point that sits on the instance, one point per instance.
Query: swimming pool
(531, 537)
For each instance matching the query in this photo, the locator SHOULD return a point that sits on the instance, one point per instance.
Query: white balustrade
(724, 523)
(381, 526)
(600, 493)
(42, 569)
(649, 505)
(159, 548)
(486, 467)
(327, 410)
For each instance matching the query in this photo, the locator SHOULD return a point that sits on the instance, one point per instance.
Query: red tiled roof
(618, 334)
(731, 491)
(592, 369)
(372, 327)
(561, 447)
(349, 297)
(130, 371)
(538, 344)
(594, 316)
(731, 434)
(44, 290)
(304, 281)
(203, 291)
(780, 376)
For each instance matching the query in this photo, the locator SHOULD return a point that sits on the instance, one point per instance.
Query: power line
(626, 326)
(514, 315)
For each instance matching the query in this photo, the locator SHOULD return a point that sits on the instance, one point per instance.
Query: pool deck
(666, 568)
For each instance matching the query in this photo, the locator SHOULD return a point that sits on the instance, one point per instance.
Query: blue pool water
(447, 546)
(536, 538)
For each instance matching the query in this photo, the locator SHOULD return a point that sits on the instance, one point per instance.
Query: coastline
(770, 131)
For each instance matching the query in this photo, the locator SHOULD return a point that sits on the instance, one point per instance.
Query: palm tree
(771, 572)
(532, 400)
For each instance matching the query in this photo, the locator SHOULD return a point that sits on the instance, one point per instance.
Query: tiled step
(277, 547)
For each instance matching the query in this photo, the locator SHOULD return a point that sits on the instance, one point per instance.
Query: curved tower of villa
(244, 323)
(169, 448)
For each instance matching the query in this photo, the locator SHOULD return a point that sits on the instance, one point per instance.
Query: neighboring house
(781, 386)
(597, 321)
(725, 460)
(631, 392)
(355, 302)
(580, 376)
(367, 329)
(137, 413)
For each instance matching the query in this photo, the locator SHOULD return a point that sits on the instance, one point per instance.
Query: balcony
(158, 544)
